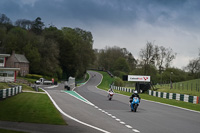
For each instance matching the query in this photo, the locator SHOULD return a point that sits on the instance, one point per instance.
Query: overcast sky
(125, 23)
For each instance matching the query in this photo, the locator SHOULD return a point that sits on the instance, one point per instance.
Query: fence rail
(176, 96)
(4, 93)
(191, 86)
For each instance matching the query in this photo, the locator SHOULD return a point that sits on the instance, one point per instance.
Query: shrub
(118, 82)
(33, 76)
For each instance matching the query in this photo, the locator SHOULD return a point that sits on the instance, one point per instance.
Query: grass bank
(30, 107)
(9, 131)
(108, 80)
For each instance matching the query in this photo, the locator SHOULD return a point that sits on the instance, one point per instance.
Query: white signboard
(139, 78)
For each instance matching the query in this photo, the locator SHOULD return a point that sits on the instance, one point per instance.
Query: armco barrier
(122, 89)
(179, 97)
(4, 93)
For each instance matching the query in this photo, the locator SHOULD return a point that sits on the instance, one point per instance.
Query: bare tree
(147, 56)
(193, 66)
(170, 56)
(24, 23)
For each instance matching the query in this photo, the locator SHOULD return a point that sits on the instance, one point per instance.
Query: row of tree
(52, 52)
(153, 60)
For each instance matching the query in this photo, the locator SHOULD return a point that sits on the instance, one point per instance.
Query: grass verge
(9, 131)
(108, 80)
(30, 107)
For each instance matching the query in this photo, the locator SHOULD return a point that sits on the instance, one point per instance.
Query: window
(3, 74)
(7, 73)
(1, 60)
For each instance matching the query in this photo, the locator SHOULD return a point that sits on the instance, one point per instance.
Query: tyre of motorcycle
(110, 97)
(135, 107)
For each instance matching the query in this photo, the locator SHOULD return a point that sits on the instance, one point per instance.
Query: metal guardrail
(4, 93)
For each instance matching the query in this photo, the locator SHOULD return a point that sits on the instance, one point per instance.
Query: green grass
(30, 107)
(24, 87)
(82, 81)
(190, 87)
(107, 80)
(9, 131)
(4, 85)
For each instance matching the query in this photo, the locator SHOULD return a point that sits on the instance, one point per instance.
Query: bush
(33, 76)
(119, 73)
(118, 82)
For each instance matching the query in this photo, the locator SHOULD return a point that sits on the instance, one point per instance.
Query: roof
(21, 58)
(9, 69)
(4, 55)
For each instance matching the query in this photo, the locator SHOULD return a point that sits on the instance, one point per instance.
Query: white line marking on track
(135, 130)
(117, 119)
(128, 126)
(61, 111)
(113, 117)
(122, 122)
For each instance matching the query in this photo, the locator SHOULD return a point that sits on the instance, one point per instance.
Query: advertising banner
(139, 78)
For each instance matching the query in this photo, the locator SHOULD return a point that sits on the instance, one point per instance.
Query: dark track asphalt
(150, 118)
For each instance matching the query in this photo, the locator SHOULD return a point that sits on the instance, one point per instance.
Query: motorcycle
(134, 104)
(110, 95)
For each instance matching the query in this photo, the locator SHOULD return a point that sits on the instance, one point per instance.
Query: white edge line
(73, 117)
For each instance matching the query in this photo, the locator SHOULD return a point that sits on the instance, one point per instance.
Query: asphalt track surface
(151, 117)
(110, 116)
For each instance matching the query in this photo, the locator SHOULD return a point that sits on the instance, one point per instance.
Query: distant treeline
(51, 51)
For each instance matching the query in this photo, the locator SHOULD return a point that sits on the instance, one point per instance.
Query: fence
(179, 97)
(4, 93)
(189, 86)
(122, 89)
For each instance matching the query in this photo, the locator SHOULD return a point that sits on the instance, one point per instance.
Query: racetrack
(151, 117)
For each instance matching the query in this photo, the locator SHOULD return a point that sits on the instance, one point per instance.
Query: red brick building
(7, 74)
(18, 61)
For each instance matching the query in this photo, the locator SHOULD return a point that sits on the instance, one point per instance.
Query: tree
(170, 56)
(163, 56)
(37, 26)
(121, 65)
(156, 56)
(194, 66)
(147, 56)
(24, 23)
(82, 42)
(4, 19)
(16, 39)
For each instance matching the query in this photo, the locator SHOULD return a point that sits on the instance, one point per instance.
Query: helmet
(135, 92)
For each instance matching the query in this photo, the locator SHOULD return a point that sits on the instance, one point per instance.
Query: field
(191, 87)
(30, 107)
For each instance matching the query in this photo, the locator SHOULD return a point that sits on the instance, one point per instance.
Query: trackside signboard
(139, 78)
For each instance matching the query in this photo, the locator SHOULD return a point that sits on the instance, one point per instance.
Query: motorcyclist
(110, 90)
(135, 94)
